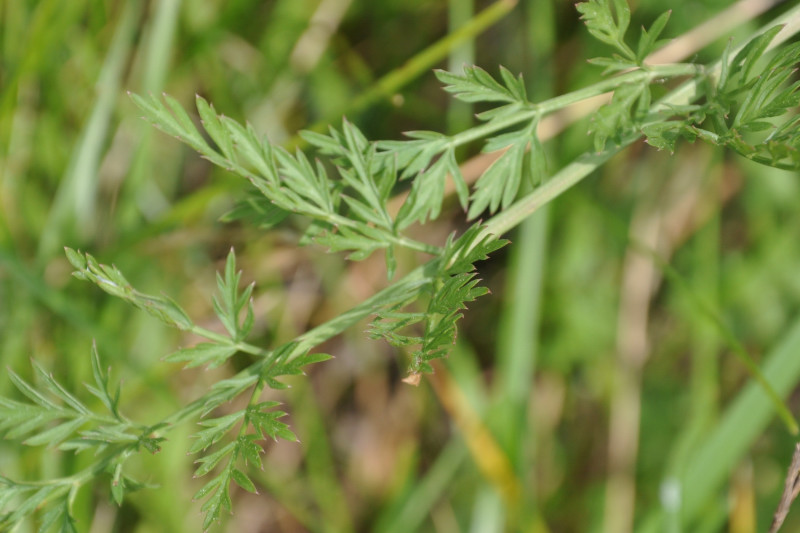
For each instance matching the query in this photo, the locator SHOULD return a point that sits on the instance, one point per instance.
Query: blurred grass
(535, 361)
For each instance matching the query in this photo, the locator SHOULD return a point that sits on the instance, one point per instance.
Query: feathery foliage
(341, 197)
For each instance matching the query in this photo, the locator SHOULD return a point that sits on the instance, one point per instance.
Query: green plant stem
(557, 103)
(583, 165)
(589, 161)
(78, 479)
(339, 220)
(254, 397)
(222, 339)
(313, 337)
(716, 139)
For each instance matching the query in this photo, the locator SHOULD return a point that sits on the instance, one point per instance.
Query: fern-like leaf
(607, 25)
(477, 85)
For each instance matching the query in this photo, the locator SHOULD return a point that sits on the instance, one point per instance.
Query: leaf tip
(413, 379)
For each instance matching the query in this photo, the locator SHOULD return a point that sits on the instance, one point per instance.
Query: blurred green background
(587, 393)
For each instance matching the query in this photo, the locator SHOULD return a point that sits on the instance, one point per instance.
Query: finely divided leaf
(762, 100)
(243, 481)
(55, 388)
(266, 423)
(648, 42)
(294, 184)
(216, 129)
(441, 318)
(460, 255)
(229, 302)
(477, 85)
(111, 280)
(101, 390)
(250, 450)
(216, 428)
(174, 121)
(425, 199)
(220, 499)
(289, 362)
(331, 144)
(18, 419)
(208, 462)
(56, 434)
(256, 151)
(32, 393)
(58, 518)
(606, 26)
(612, 120)
(450, 291)
(412, 156)
(343, 238)
(745, 61)
(226, 390)
(498, 186)
(258, 210)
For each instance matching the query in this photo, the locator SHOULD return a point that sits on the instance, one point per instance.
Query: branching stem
(647, 75)
(501, 223)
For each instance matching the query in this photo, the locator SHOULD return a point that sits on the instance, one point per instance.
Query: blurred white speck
(670, 494)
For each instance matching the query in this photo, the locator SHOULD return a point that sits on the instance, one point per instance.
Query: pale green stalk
(557, 103)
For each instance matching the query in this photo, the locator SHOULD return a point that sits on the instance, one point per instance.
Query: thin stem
(557, 103)
(394, 294)
(223, 339)
(85, 475)
(339, 220)
(257, 390)
(586, 163)
(416, 245)
(557, 185)
(589, 161)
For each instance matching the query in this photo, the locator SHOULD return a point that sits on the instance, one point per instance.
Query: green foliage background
(536, 361)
